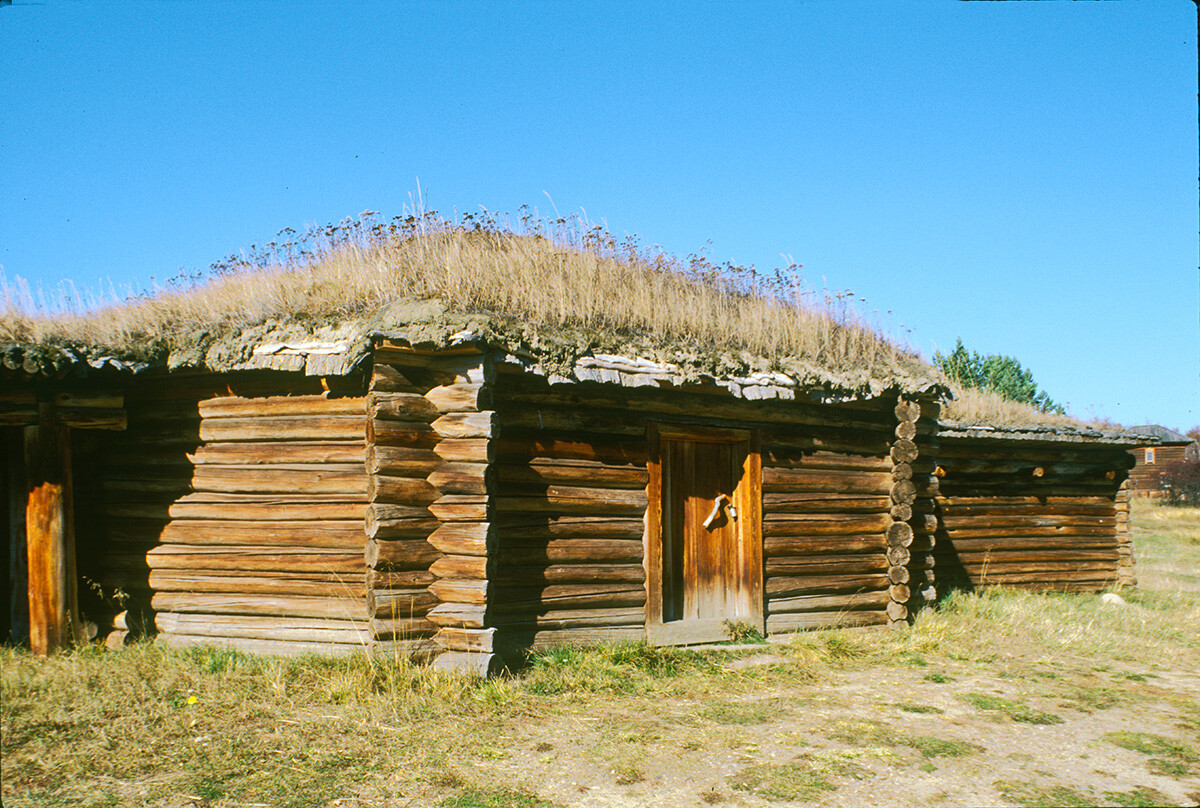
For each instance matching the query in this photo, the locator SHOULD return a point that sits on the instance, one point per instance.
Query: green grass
(1140, 797)
(502, 798)
(1014, 710)
(1038, 795)
(805, 779)
(1167, 756)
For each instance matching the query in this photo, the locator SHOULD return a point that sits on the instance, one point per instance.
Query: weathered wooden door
(705, 553)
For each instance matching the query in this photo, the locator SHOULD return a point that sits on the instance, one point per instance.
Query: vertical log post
(50, 535)
(1126, 575)
(911, 579)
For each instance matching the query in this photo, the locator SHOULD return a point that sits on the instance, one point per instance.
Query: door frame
(748, 500)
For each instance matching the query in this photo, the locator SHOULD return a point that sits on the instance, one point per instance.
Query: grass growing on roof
(567, 275)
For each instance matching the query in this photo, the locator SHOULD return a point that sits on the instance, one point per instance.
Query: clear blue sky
(1020, 174)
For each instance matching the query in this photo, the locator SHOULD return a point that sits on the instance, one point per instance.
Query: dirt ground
(849, 742)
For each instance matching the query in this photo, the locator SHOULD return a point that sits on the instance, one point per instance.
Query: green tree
(1000, 374)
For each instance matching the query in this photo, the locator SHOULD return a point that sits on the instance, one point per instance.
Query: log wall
(232, 514)
(1034, 515)
(570, 504)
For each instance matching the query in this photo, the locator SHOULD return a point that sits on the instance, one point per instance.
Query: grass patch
(1140, 797)
(804, 779)
(1167, 756)
(501, 798)
(931, 747)
(911, 707)
(735, 713)
(1013, 710)
(1038, 795)
(938, 678)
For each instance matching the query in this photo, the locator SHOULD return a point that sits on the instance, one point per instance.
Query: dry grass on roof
(560, 273)
(973, 406)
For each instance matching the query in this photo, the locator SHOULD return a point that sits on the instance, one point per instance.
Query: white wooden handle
(716, 511)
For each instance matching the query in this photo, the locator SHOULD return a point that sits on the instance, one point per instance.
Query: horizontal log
(406, 527)
(461, 567)
(570, 574)
(346, 534)
(405, 601)
(400, 554)
(687, 403)
(464, 450)
(391, 379)
(524, 600)
(461, 397)
(1069, 555)
(544, 447)
(318, 405)
(579, 501)
(460, 507)
(401, 490)
(824, 524)
(465, 424)
(293, 478)
(791, 457)
(787, 586)
(348, 586)
(285, 648)
(275, 428)
(953, 522)
(1026, 531)
(460, 615)
(465, 639)
(958, 501)
(389, 579)
(574, 619)
(469, 664)
(514, 478)
(455, 590)
(408, 434)
(803, 621)
(398, 461)
(844, 565)
(778, 480)
(567, 551)
(462, 538)
(461, 478)
(265, 605)
(211, 558)
(185, 508)
(284, 629)
(523, 529)
(778, 546)
(822, 603)
(550, 638)
(401, 407)
(91, 418)
(554, 419)
(823, 503)
(402, 628)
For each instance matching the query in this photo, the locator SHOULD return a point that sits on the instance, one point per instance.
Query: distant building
(1146, 477)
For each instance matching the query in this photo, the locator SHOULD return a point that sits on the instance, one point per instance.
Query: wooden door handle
(716, 511)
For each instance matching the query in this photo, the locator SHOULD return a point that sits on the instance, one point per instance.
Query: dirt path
(920, 737)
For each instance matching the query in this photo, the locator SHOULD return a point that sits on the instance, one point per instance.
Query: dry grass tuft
(562, 273)
(973, 406)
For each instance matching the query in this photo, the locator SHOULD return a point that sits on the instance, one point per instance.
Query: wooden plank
(285, 648)
(345, 534)
(822, 603)
(290, 584)
(517, 478)
(276, 406)
(275, 452)
(50, 536)
(400, 554)
(275, 428)
(185, 508)
(293, 478)
(284, 629)
(264, 605)
(803, 621)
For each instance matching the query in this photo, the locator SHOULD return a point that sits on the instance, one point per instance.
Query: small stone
(1112, 599)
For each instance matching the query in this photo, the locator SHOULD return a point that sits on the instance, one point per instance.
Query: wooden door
(705, 554)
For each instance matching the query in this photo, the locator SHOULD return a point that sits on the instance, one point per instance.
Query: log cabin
(439, 481)
(457, 502)
(1044, 508)
(1169, 446)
